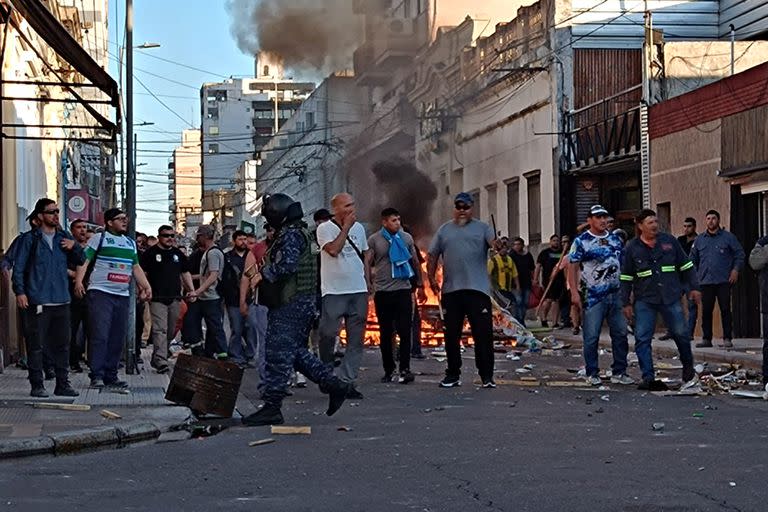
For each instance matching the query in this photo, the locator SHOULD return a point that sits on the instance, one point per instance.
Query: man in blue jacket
(718, 258)
(41, 285)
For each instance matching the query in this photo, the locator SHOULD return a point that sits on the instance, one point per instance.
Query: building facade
(185, 181)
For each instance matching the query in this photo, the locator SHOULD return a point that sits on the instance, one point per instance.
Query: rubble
(261, 442)
(288, 431)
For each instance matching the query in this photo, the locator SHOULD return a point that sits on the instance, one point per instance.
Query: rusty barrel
(206, 386)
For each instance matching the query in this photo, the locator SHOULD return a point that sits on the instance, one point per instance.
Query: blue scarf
(398, 255)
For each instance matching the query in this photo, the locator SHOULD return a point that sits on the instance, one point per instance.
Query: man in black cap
(287, 286)
(113, 260)
(41, 285)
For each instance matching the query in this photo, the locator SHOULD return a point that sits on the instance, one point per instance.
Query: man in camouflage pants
(288, 286)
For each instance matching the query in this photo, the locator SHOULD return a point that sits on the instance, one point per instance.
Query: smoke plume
(404, 187)
(309, 35)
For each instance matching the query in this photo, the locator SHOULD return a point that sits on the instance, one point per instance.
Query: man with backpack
(41, 285)
(242, 346)
(205, 302)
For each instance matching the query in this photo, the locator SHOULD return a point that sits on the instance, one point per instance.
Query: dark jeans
(47, 332)
(523, 296)
(416, 332)
(476, 307)
(721, 292)
(107, 329)
(213, 313)
(645, 325)
(78, 310)
(765, 348)
(394, 311)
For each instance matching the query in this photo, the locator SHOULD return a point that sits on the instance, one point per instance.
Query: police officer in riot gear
(288, 287)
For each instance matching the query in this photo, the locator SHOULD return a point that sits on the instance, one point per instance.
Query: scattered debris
(261, 442)
(710, 407)
(288, 431)
(427, 410)
(440, 408)
(750, 394)
(529, 367)
(61, 407)
(605, 398)
(522, 370)
(110, 415)
(527, 383)
(698, 415)
(344, 428)
(599, 410)
(702, 468)
(566, 384)
(513, 356)
(658, 427)
(732, 484)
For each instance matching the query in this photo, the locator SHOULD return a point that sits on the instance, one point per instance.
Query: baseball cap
(597, 210)
(206, 231)
(464, 197)
(40, 206)
(112, 213)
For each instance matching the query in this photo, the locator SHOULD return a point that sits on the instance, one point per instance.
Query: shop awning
(56, 36)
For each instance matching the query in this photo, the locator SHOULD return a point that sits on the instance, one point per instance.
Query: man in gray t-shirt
(205, 302)
(391, 264)
(463, 246)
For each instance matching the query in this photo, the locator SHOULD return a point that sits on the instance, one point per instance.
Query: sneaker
(450, 382)
(117, 384)
(489, 384)
(594, 380)
(386, 378)
(65, 391)
(97, 383)
(353, 394)
(406, 377)
(691, 384)
(267, 415)
(623, 379)
(704, 344)
(38, 391)
(727, 343)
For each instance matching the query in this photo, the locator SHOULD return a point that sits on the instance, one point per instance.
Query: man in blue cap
(463, 246)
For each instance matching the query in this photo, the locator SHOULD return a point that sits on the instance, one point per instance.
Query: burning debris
(308, 35)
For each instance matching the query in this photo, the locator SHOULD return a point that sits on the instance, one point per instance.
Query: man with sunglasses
(463, 246)
(167, 270)
(115, 262)
(41, 285)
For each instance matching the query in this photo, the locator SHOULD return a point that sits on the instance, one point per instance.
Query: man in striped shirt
(112, 259)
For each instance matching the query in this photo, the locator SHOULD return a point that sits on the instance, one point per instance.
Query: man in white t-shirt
(343, 285)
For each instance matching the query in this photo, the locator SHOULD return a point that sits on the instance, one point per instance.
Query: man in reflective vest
(655, 270)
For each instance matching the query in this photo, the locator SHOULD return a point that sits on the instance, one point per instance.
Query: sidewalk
(143, 411)
(746, 352)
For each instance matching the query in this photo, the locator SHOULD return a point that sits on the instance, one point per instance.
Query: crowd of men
(298, 285)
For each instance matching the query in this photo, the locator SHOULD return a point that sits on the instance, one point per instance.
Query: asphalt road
(421, 448)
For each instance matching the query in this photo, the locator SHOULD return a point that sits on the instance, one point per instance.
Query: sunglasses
(51, 212)
(121, 218)
(166, 235)
(462, 206)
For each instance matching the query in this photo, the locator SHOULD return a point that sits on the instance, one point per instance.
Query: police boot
(267, 415)
(337, 393)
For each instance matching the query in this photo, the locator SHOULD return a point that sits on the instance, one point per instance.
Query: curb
(723, 357)
(79, 440)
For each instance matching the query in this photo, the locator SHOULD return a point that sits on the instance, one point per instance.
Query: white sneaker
(623, 379)
(691, 385)
(594, 381)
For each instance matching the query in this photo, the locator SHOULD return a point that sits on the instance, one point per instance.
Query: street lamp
(147, 46)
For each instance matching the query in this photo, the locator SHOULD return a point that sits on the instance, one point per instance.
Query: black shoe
(450, 382)
(116, 384)
(38, 391)
(652, 385)
(50, 374)
(76, 368)
(97, 383)
(65, 391)
(267, 415)
(386, 378)
(688, 373)
(489, 383)
(353, 393)
(704, 344)
(665, 337)
(406, 377)
(544, 324)
(576, 331)
(336, 396)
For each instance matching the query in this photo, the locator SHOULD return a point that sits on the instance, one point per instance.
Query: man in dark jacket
(656, 270)
(718, 258)
(41, 285)
(762, 245)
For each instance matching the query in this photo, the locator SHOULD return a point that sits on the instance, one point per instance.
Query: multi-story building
(185, 187)
(239, 116)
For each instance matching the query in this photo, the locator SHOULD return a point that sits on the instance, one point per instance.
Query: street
(422, 448)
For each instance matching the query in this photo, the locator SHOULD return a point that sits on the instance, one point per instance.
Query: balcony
(390, 44)
(366, 73)
(606, 142)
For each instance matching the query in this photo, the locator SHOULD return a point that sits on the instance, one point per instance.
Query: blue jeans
(211, 311)
(609, 309)
(107, 327)
(521, 298)
(242, 345)
(257, 325)
(645, 325)
(693, 314)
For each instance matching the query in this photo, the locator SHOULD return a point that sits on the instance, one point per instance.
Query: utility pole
(645, 142)
(277, 122)
(130, 173)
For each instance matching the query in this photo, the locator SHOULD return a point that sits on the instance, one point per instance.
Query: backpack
(229, 279)
(758, 258)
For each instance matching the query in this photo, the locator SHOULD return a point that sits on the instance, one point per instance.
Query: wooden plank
(261, 442)
(288, 431)
(110, 415)
(62, 407)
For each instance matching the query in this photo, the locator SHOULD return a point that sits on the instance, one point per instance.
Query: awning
(56, 36)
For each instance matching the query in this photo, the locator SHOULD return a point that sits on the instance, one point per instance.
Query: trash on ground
(288, 431)
(261, 442)
(62, 407)
(522, 370)
(658, 427)
(344, 428)
(110, 415)
(698, 415)
(605, 398)
(513, 356)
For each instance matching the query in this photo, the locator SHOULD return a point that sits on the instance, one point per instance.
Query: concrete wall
(187, 177)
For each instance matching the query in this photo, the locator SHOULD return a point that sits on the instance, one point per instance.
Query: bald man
(343, 286)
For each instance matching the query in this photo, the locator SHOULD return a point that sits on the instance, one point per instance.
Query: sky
(191, 33)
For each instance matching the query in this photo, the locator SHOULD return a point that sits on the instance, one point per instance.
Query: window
(264, 114)
(213, 130)
(534, 210)
(213, 113)
(664, 212)
(476, 199)
(310, 118)
(213, 149)
(513, 208)
(214, 95)
(491, 189)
